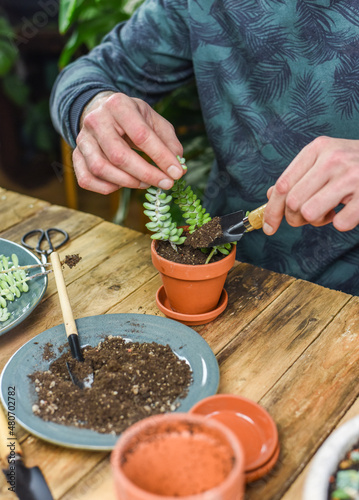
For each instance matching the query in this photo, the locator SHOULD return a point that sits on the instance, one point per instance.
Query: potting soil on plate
(132, 380)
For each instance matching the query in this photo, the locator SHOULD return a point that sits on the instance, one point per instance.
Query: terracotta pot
(178, 455)
(193, 289)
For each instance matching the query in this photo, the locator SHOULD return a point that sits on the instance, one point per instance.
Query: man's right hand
(113, 125)
(323, 176)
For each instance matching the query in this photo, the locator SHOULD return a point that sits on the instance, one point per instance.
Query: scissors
(44, 235)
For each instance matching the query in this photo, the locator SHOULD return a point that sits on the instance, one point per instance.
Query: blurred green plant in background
(82, 24)
(38, 139)
(8, 50)
(88, 21)
(13, 86)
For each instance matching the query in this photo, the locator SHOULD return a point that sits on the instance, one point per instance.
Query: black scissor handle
(44, 235)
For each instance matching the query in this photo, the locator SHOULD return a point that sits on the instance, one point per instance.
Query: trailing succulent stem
(191, 208)
(157, 209)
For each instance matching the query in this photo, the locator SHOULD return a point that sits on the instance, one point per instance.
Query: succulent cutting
(12, 283)
(158, 210)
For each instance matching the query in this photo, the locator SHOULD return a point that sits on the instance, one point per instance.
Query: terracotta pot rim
(237, 469)
(218, 263)
(192, 272)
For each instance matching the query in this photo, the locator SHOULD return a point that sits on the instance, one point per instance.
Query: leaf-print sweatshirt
(272, 75)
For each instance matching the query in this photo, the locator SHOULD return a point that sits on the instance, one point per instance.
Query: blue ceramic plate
(185, 342)
(22, 306)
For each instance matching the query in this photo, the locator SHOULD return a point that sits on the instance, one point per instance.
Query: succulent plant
(193, 212)
(158, 206)
(12, 283)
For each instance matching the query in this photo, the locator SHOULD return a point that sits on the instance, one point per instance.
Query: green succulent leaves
(12, 283)
(157, 208)
(191, 208)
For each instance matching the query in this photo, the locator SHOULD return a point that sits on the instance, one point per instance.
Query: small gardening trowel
(27, 483)
(234, 225)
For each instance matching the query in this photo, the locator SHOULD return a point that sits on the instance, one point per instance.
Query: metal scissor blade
(228, 237)
(18, 268)
(234, 225)
(233, 228)
(32, 276)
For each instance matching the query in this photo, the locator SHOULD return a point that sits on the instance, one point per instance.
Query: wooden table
(288, 344)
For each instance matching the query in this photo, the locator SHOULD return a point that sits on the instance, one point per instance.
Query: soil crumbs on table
(71, 260)
(132, 380)
(188, 253)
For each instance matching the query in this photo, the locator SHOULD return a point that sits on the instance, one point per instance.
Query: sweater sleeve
(147, 57)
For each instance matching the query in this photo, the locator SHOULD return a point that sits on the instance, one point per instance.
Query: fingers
(155, 136)
(347, 218)
(277, 206)
(140, 125)
(87, 180)
(324, 175)
(104, 158)
(114, 161)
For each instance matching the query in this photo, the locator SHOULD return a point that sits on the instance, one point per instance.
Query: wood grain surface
(288, 344)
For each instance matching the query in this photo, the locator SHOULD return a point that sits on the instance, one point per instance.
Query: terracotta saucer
(190, 319)
(251, 423)
(253, 475)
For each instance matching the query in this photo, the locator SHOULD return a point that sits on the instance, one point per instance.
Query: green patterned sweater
(271, 76)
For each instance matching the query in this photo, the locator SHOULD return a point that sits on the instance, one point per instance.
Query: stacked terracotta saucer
(164, 306)
(253, 426)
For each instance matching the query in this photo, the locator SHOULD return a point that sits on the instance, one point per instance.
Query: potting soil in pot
(190, 252)
(132, 381)
(345, 482)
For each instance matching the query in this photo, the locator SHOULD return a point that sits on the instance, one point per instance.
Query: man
(278, 82)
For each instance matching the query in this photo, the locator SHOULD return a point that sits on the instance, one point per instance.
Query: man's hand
(323, 175)
(112, 126)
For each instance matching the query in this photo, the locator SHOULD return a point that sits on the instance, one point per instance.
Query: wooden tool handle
(255, 218)
(69, 322)
(8, 442)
